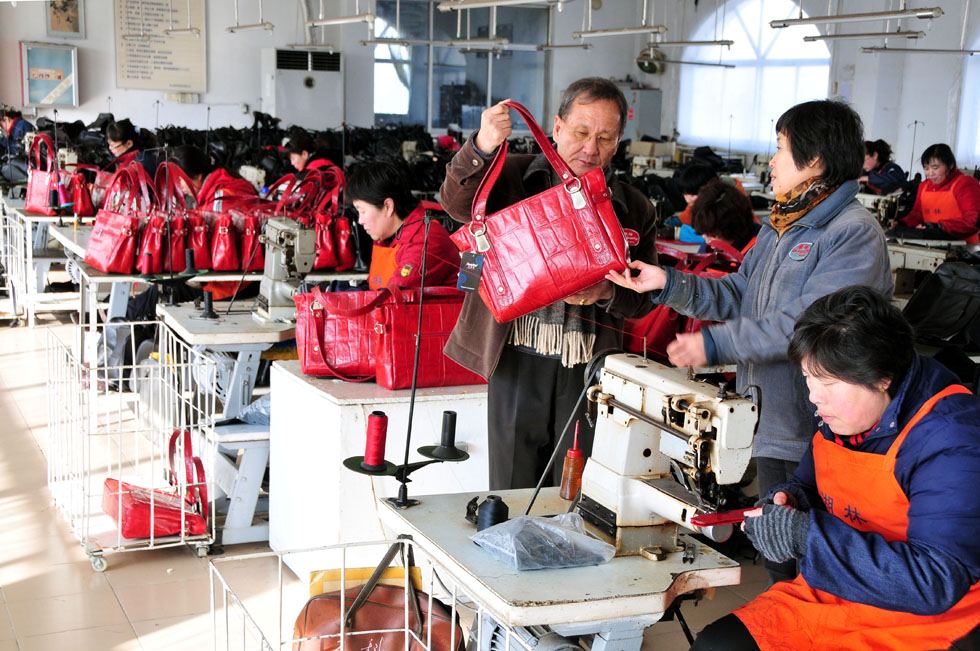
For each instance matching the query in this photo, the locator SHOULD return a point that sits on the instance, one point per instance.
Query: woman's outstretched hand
(650, 278)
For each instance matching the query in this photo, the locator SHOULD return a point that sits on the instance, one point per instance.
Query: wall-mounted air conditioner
(304, 88)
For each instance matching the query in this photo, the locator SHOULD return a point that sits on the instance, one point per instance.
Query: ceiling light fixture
(366, 17)
(460, 5)
(617, 31)
(181, 31)
(925, 13)
(262, 24)
(863, 35)
(564, 46)
(719, 43)
(906, 50)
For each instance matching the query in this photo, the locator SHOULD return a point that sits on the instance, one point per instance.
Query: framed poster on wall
(49, 74)
(65, 19)
(150, 55)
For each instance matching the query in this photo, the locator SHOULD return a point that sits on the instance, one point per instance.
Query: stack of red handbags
(359, 336)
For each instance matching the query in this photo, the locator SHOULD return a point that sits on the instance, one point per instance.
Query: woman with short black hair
(882, 511)
(882, 175)
(128, 143)
(13, 128)
(947, 204)
(304, 155)
(817, 239)
(393, 218)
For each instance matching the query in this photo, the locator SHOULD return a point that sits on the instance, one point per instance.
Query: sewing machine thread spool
(446, 450)
(189, 260)
(492, 511)
(374, 443)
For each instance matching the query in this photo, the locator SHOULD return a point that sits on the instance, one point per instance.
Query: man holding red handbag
(535, 363)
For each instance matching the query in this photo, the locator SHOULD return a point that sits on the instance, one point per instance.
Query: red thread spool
(374, 445)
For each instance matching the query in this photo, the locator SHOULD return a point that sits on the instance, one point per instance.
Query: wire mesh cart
(258, 604)
(130, 439)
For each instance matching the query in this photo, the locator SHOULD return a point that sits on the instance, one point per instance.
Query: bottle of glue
(571, 472)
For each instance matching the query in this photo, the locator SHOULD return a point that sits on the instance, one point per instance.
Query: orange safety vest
(383, 265)
(791, 615)
(940, 206)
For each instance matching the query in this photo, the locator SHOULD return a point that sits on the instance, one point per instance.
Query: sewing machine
(290, 250)
(664, 446)
(883, 206)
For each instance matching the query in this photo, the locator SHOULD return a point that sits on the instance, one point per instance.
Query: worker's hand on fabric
(495, 127)
(779, 533)
(650, 278)
(687, 350)
(786, 495)
(601, 291)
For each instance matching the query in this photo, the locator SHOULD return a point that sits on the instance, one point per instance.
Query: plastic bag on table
(535, 543)
(259, 412)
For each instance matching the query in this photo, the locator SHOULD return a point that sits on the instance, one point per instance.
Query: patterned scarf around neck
(796, 203)
(558, 330)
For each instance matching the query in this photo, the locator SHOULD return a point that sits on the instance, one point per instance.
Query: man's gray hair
(590, 89)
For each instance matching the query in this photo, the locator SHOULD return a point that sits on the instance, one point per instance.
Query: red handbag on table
(396, 324)
(224, 244)
(162, 245)
(253, 257)
(133, 507)
(546, 247)
(44, 196)
(335, 333)
(112, 245)
(198, 240)
(325, 221)
(343, 237)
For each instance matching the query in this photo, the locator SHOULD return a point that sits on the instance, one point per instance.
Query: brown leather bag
(375, 607)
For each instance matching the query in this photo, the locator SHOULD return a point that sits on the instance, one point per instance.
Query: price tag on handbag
(470, 272)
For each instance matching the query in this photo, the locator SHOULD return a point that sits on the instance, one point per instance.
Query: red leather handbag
(253, 257)
(335, 333)
(343, 237)
(112, 246)
(324, 219)
(198, 240)
(134, 508)
(546, 247)
(396, 324)
(43, 177)
(162, 245)
(221, 191)
(81, 195)
(224, 244)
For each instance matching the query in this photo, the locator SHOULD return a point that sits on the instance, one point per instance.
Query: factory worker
(948, 201)
(882, 512)
(303, 153)
(882, 175)
(818, 239)
(128, 143)
(393, 218)
(722, 213)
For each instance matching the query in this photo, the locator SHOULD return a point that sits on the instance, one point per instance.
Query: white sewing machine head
(883, 206)
(290, 250)
(664, 445)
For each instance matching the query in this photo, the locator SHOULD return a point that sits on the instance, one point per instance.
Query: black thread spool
(189, 260)
(446, 450)
(493, 511)
(208, 311)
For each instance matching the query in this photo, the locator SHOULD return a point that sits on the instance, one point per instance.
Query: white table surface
(73, 238)
(628, 586)
(236, 328)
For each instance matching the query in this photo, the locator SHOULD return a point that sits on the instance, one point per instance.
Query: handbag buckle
(480, 236)
(379, 328)
(574, 189)
(315, 306)
(222, 230)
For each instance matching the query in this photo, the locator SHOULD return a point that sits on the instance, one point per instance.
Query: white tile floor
(50, 599)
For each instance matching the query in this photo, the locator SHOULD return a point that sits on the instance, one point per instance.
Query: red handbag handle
(317, 309)
(726, 250)
(331, 198)
(197, 488)
(127, 178)
(35, 155)
(167, 182)
(479, 211)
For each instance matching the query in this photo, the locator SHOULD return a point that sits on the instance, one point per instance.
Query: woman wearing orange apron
(394, 220)
(883, 512)
(947, 204)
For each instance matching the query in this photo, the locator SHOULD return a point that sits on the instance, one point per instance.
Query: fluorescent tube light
(619, 31)
(724, 43)
(265, 24)
(460, 5)
(863, 35)
(923, 13)
(565, 46)
(366, 17)
(907, 50)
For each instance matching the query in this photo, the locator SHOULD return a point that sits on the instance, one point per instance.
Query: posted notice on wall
(148, 58)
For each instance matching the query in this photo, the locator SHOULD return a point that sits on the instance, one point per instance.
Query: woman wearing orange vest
(883, 511)
(948, 202)
(394, 220)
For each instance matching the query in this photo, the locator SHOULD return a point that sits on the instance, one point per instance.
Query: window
(968, 142)
(461, 81)
(775, 69)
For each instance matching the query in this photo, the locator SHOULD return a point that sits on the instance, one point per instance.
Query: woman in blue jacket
(13, 128)
(883, 511)
(817, 240)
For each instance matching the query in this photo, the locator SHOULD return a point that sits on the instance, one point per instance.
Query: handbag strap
(375, 578)
(726, 250)
(479, 212)
(125, 181)
(35, 155)
(167, 183)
